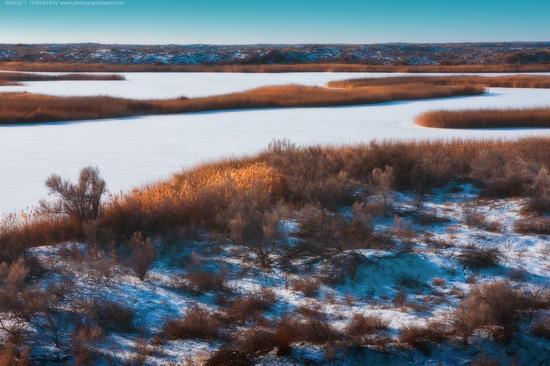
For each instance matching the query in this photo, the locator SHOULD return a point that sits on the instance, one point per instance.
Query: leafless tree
(80, 201)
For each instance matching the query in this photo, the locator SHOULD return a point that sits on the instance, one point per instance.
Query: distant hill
(514, 53)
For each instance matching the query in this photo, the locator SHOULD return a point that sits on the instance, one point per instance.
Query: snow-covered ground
(437, 278)
(136, 150)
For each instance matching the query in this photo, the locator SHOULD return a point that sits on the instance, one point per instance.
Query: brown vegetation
(198, 323)
(477, 257)
(497, 307)
(223, 206)
(516, 81)
(33, 108)
(423, 337)
(15, 78)
(317, 67)
(202, 194)
(533, 225)
(487, 118)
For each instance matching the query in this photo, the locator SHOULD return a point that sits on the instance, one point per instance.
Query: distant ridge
(403, 54)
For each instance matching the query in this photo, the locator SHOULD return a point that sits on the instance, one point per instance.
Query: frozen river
(133, 151)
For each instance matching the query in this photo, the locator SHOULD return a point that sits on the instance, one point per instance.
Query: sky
(278, 22)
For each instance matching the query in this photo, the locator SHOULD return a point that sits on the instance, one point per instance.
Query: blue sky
(282, 21)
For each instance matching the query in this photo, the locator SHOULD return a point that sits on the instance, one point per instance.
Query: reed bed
(487, 118)
(33, 108)
(14, 78)
(272, 68)
(517, 81)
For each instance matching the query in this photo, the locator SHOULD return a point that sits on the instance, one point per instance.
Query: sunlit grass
(487, 118)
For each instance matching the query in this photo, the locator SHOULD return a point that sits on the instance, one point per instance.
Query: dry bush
(440, 282)
(382, 183)
(308, 286)
(542, 328)
(472, 217)
(143, 254)
(257, 231)
(533, 225)
(487, 118)
(364, 330)
(357, 234)
(107, 314)
(283, 337)
(101, 271)
(312, 174)
(404, 231)
(200, 281)
(476, 257)
(197, 322)
(423, 337)
(250, 307)
(313, 330)
(12, 356)
(539, 190)
(496, 305)
(228, 356)
(20, 302)
(83, 340)
(255, 342)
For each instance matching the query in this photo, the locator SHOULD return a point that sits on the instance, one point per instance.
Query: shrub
(382, 183)
(542, 328)
(250, 307)
(422, 337)
(228, 356)
(361, 328)
(440, 282)
(143, 254)
(477, 257)
(533, 225)
(20, 302)
(82, 341)
(496, 304)
(197, 323)
(11, 356)
(255, 342)
(107, 314)
(199, 281)
(317, 331)
(308, 286)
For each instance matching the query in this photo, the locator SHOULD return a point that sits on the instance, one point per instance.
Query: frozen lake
(133, 151)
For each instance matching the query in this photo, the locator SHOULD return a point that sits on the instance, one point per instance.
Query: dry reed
(33, 108)
(273, 68)
(487, 118)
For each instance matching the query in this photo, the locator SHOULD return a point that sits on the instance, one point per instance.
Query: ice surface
(133, 151)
